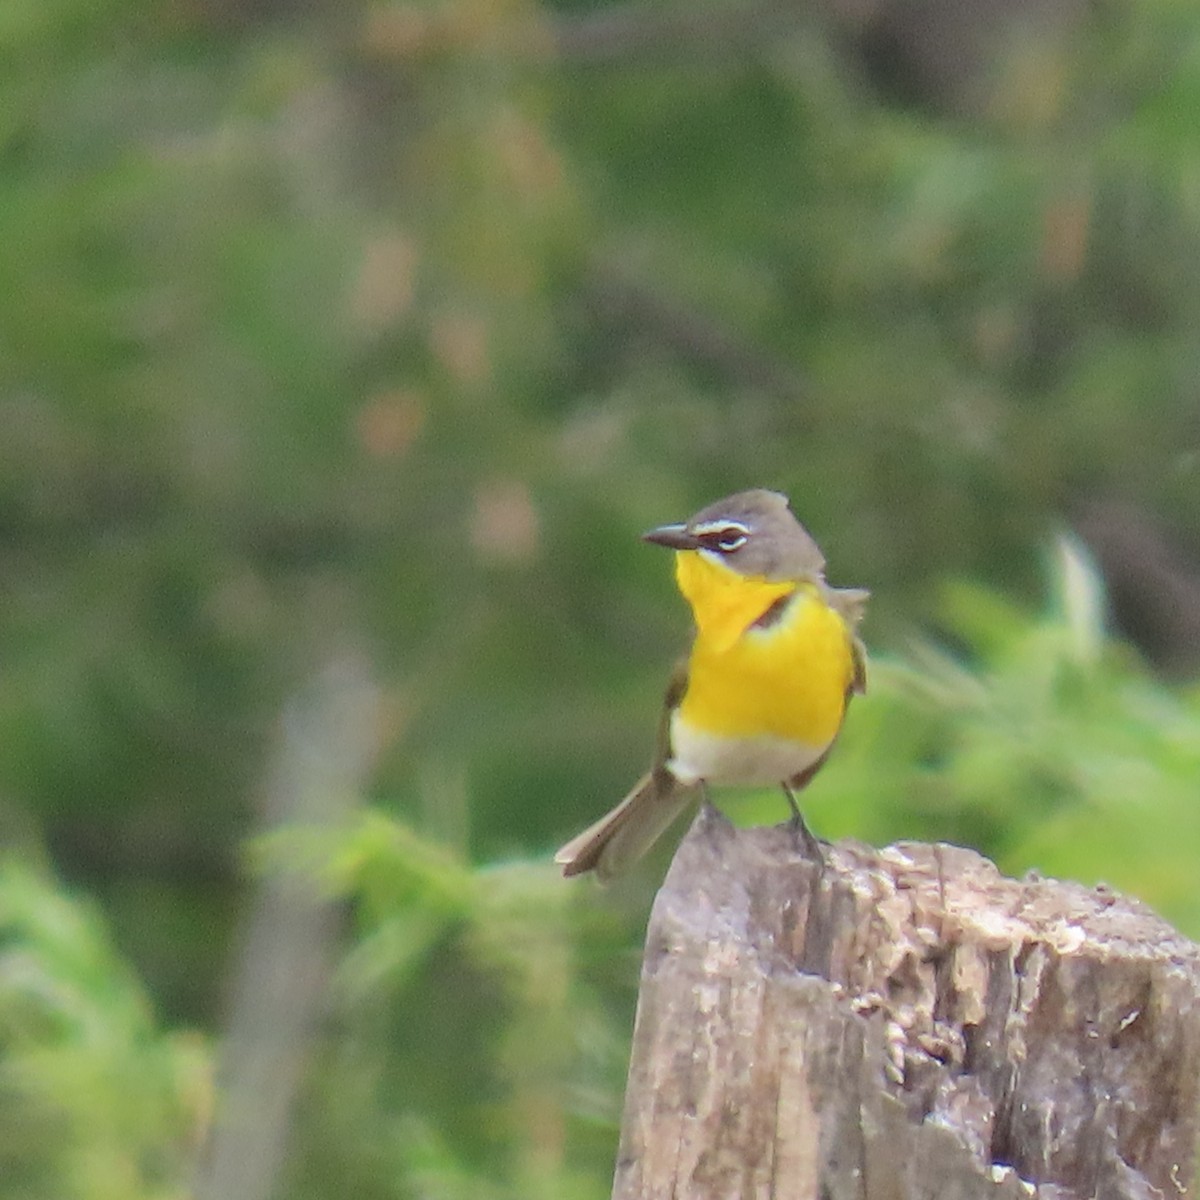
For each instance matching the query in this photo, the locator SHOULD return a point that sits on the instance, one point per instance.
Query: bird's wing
(851, 603)
(624, 833)
(858, 653)
(676, 687)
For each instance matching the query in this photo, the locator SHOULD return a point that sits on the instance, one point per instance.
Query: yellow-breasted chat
(763, 692)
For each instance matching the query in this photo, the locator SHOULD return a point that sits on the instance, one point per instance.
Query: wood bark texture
(904, 1023)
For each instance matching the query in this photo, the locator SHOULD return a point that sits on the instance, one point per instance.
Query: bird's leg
(803, 834)
(705, 798)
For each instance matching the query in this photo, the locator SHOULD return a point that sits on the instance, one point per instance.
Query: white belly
(746, 761)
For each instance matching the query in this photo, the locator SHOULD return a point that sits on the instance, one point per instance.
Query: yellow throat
(762, 695)
(787, 677)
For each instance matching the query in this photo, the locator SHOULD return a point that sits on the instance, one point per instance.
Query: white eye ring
(723, 536)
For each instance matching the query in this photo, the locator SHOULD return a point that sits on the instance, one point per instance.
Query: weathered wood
(904, 1023)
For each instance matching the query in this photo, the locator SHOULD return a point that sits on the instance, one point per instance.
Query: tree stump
(904, 1023)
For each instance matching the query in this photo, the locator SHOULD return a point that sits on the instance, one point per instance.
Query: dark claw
(800, 831)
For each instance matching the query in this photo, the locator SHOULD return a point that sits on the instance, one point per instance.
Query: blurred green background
(347, 348)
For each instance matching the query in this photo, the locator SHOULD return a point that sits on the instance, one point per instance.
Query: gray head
(753, 533)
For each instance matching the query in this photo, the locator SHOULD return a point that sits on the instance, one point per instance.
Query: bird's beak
(676, 537)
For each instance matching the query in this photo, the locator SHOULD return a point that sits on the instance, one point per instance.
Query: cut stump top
(1035, 1032)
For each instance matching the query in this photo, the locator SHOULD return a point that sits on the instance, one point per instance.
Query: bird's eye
(727, 539)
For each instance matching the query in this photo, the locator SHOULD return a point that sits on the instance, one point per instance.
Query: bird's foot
(805, 840)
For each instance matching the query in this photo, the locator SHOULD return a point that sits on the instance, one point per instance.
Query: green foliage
(96, 1101)
(464, 1015)
(389, 325)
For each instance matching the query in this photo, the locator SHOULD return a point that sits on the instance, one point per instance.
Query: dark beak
(676, 537)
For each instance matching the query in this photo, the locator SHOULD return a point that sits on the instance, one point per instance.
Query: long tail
(625, 833)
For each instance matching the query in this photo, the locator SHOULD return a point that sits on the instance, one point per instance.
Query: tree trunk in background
(906, 1023)
(325, 755)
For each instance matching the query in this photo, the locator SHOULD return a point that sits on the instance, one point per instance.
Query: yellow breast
(788, 679)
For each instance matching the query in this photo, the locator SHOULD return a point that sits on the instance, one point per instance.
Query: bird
(761, 696)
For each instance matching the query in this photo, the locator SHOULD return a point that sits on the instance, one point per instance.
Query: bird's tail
(625, 833)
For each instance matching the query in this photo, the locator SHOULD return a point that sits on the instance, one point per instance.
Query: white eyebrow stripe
(722, 526)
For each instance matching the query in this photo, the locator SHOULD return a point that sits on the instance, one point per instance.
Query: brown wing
(858, 652)
(676, 687)
(624, 833)
(851, 603)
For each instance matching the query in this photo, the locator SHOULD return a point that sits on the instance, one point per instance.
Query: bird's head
(753, 534)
